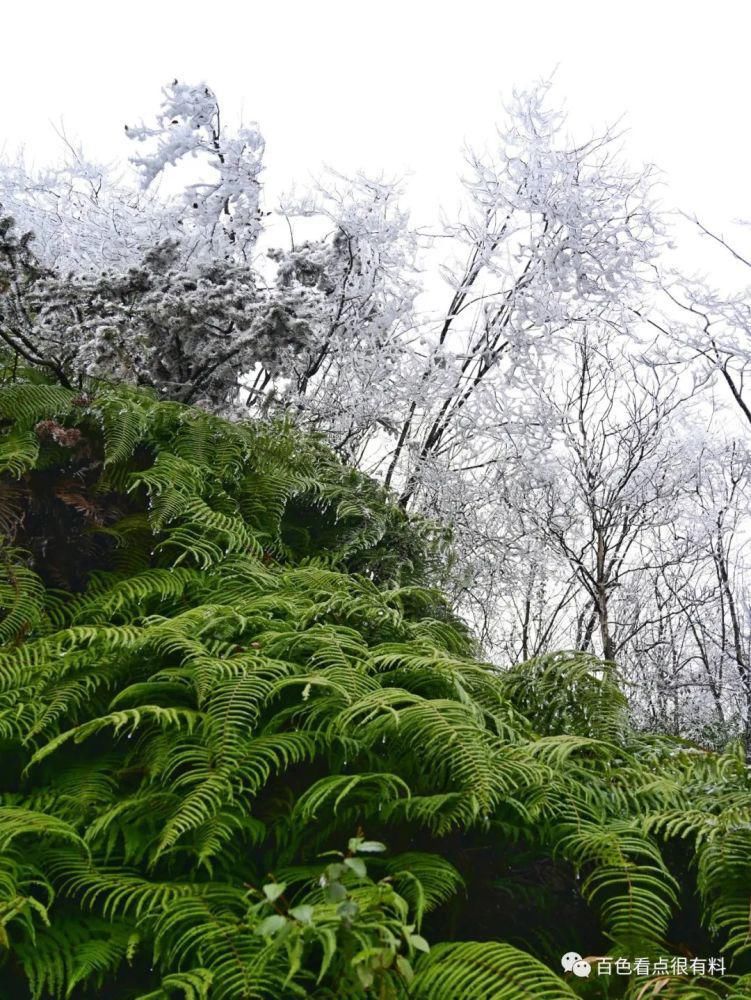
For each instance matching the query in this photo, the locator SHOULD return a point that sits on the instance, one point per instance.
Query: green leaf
(365, 975)
(271, 925)
(335, 892)
(405, 969)
(348, 910)
(294, 956)
(327, 937)
(358, 866)
(303, 913)
(370, 847)
(418, 941)
(274, 890)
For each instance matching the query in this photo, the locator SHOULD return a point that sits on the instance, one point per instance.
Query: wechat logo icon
(573, 962)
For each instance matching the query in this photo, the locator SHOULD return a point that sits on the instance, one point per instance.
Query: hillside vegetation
(248, 752)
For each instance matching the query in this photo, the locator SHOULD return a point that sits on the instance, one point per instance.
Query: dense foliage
(247, 752)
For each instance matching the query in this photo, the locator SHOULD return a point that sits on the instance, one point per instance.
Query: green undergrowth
(249, 752)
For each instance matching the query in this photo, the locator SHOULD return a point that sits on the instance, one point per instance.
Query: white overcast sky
(394, 85)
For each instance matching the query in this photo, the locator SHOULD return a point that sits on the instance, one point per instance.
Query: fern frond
(490, 970)
(25, 403)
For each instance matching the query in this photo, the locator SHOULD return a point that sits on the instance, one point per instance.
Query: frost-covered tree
(613, 472)
(186, 302)
(531, 412)
(188, 332)
(354, 377)
(556, 232)
(711, 327)
(221, 216)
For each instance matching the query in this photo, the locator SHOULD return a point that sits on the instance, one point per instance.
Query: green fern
(481, 971)
(221, 657)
